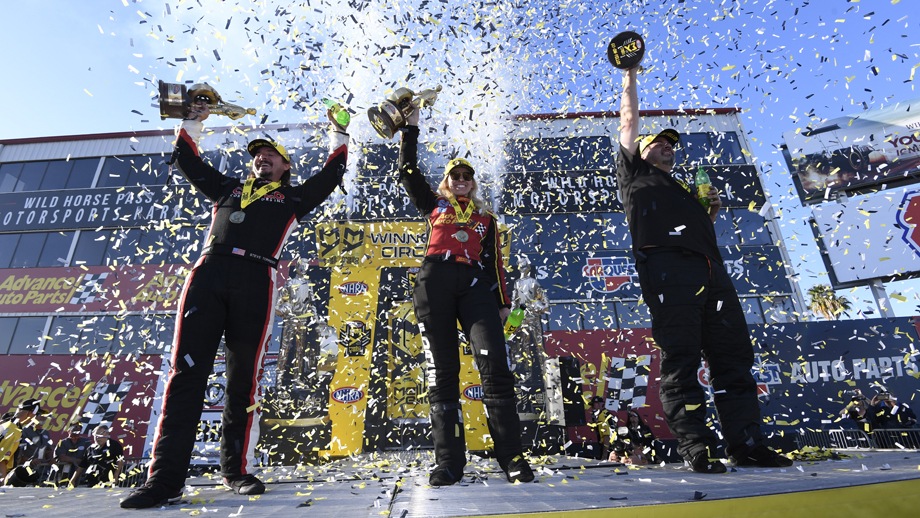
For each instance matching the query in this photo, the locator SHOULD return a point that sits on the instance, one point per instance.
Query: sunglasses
(461, 175)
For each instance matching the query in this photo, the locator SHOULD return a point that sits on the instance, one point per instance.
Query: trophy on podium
(626, 50)
(393, 113)
(176, 99)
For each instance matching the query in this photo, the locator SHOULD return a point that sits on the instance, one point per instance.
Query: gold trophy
(175, 101)
(393, 113)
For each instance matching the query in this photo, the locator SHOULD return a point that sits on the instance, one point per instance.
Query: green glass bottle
(340, 114)
(515, 318)
(702, 183)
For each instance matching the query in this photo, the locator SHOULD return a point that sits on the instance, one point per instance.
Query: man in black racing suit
(230, 292)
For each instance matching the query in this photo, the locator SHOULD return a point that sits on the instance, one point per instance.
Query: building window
(8, 244)
(31, 177)
(28, 335)
(57, 246)
(9, 176)
(7, 327)
(28, 250)
(91, 247)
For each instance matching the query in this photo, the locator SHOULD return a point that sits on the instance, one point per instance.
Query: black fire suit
(462, 281)
(230, 292)
(695, 311)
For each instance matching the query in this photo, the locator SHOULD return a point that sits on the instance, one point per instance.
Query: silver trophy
(393, 113)
(176, 99)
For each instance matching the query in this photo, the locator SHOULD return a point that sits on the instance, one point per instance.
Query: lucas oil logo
(608, 274)
(473, 392)
(353, 288)
(348, 395)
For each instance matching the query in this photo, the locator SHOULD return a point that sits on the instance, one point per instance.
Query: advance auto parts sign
(26, 290)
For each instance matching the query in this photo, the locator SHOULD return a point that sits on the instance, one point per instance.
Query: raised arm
(629, 112)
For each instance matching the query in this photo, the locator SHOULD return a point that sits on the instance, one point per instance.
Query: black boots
(505, 427)
(449, 444)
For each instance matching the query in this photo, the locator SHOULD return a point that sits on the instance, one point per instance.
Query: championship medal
(237, 217)
(462, 236)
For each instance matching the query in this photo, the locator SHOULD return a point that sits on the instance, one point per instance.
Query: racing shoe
(518, 470)
(702, 463)
(762, 457)
(444, 476)
(151, 495)
(245, 485)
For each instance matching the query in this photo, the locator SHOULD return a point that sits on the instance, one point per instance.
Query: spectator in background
(35, 449)
(603, 423)
(10, 436)
(103, 462)
(885, 413)
(856, 409)
(69, 453)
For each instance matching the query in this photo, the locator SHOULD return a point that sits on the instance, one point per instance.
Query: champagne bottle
(340, 114)
(514, 321)
(702, 183)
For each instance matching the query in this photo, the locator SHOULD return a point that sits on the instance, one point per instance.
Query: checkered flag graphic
(103, 405)
(89, 287)
(627, 382)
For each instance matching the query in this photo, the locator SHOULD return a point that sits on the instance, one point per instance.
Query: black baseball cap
(671, 135)
(32, 405)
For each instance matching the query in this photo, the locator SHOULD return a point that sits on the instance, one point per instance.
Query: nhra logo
(608, 274)
(908, 217)
(473, 392)
(348, 395)
(353, 288)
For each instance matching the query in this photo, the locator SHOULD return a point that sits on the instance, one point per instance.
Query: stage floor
(395, 485)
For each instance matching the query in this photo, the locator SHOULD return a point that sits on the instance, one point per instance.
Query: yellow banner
(352, 311)
(355, 252)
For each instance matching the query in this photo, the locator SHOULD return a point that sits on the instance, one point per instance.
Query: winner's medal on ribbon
(248, 197)
(463, 216)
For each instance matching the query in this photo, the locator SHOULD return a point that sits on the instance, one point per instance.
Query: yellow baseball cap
(457, 162)
(253, 148)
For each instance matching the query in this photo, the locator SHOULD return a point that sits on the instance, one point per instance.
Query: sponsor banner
(353, 317)
(85, 390)
(582, 191)
(90, 288)
(612, 275)
(379, 244)
(809, 391)
(113, 207)
(871, 237)
(856, 152)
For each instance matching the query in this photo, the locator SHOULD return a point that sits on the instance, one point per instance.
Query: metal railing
(842, 439)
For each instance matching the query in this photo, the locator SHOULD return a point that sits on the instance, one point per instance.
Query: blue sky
(91, 67)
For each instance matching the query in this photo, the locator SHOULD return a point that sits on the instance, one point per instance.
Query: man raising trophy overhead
(230, 293)
(694, 306)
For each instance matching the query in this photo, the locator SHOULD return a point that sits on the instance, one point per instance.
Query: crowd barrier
(843, 439)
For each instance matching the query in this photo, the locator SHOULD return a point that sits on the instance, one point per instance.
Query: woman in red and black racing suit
(462, 278)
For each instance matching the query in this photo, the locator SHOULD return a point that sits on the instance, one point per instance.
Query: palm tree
(826, 303)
